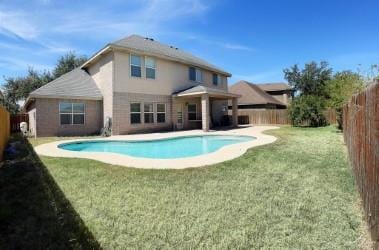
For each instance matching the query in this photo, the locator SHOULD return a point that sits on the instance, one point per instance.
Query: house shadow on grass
(34, 213)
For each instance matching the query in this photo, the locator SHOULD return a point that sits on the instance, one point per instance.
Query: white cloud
(15, 64)
(161, 10)
(222, 44)
(16, 23)
(235, 46)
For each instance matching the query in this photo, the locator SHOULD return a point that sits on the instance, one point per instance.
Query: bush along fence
(274, 116)
(361, 134)
(4, 130)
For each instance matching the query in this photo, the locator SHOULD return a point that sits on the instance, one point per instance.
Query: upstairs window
(195, 74)
(150, 67)
(135, 65)
(199, 75)
(215, 79)
(192, 73)
(71, 113)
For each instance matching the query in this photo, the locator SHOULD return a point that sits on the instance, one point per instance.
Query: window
(192, 114)
(216, 79)
(195, 74)
(135, 66)
(161, 112)
(199, 75)
(192, 73)
(148, 112)
(71, 113)
(150, 67)
(135, 113)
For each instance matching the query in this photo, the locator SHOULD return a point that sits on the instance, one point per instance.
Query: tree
(17, 89)
(340, 88)
(67, 63)
(311, 80)
(310, 86)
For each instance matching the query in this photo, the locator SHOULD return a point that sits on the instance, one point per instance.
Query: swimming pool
(170, 148)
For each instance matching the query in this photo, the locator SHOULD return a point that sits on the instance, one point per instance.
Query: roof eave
(93, 58)
(115, 46)
(231, 95)
(95, 98)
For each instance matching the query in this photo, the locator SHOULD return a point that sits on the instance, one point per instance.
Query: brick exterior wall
(121, 113)
(48, 121)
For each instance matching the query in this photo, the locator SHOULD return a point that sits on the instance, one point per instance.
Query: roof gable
(252, 94)
(74, 84)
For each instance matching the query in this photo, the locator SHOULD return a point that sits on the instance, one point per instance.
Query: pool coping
(225, 153)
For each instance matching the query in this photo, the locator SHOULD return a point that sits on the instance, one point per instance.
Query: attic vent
(148, 38)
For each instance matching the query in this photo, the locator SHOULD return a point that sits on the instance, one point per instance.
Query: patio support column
(205, 112)
(235, 112)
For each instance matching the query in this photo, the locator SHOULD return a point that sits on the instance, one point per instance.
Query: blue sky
(254, 40)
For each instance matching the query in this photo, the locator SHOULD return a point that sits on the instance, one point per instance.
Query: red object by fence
(361, 134)
(16, 120)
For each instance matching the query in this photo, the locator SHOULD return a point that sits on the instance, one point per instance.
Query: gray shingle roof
(136, 42)
(276, 86)
(74, 84)
(252, 94)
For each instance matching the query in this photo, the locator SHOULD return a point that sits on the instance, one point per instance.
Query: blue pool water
(178, 147)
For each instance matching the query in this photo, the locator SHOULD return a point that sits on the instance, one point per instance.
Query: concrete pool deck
(225, 153)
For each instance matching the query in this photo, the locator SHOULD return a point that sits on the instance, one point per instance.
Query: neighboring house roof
(279, 86)
(252, 94)
(76, 84)
(152, 47)
(201, 89)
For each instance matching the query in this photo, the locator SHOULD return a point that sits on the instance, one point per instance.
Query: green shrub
(308, 111)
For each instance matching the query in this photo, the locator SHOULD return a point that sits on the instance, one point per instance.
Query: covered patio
(213, 105)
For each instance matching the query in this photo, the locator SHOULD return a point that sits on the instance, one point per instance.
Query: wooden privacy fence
(16, 120)
(4, 130)
(274, 116)
(361, 134)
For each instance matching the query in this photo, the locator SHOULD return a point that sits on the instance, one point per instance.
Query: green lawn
(297, 193)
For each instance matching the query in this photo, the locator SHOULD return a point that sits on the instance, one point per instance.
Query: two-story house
(139, 84)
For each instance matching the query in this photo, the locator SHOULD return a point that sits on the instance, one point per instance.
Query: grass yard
(297, 193)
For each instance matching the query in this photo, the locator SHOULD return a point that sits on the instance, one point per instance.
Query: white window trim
(196, 74)
(200, 74)
(148, 112)
(131, 64)
(155, 67)
(72, 114)
(160, 112)
(192, 112)
(134, 112)
(217, 79)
